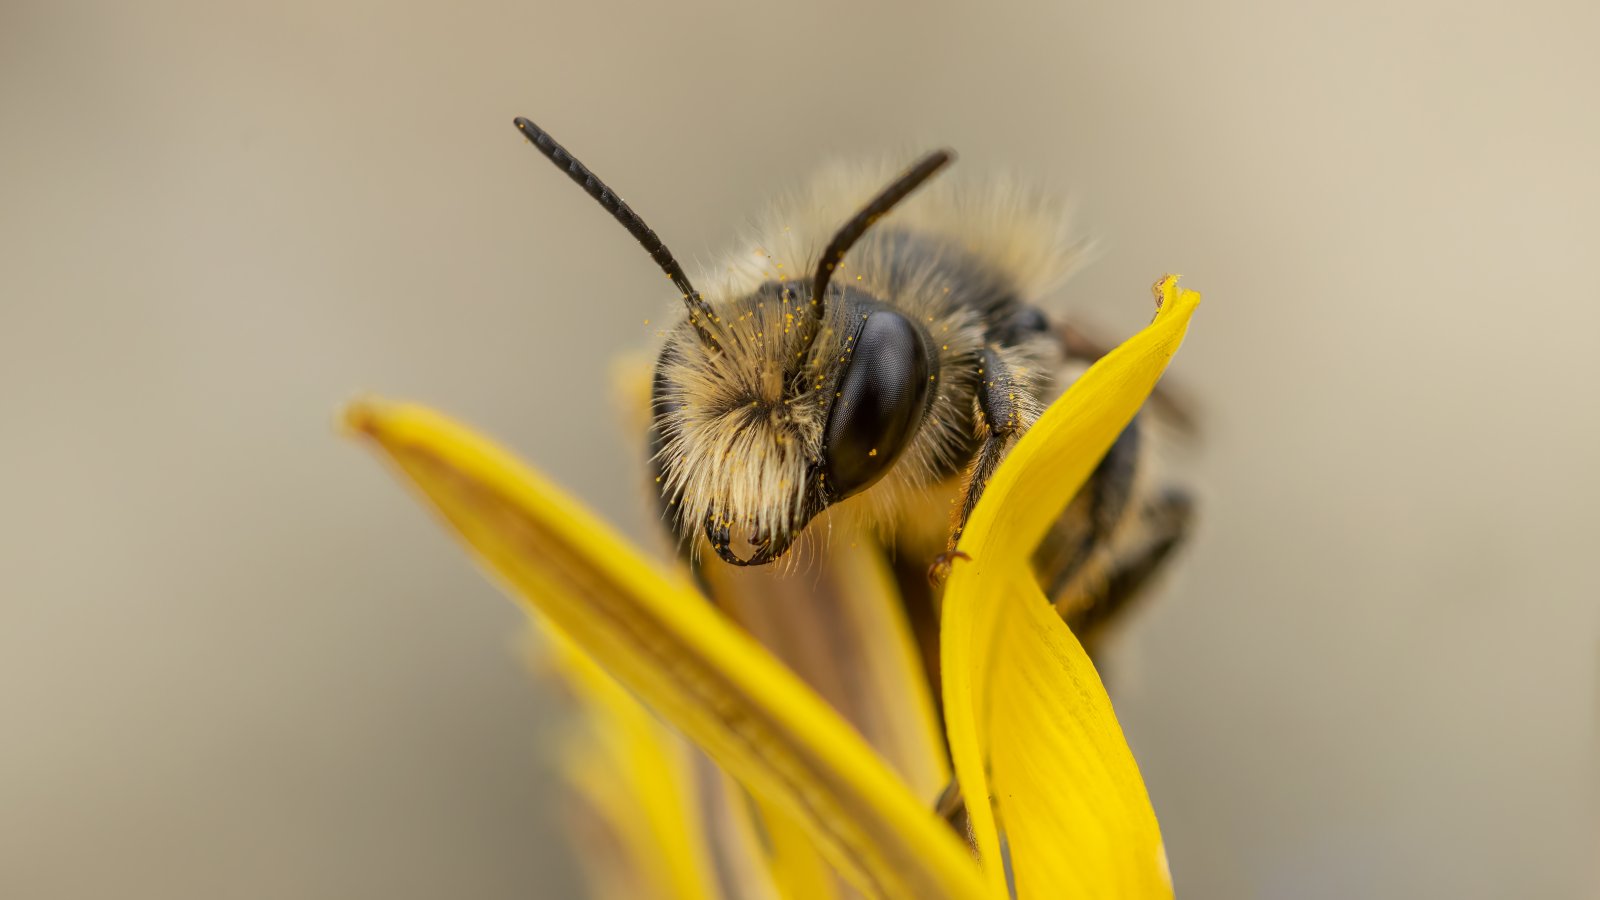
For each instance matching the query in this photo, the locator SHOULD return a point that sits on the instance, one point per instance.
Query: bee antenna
(699, 311)
(846, 237)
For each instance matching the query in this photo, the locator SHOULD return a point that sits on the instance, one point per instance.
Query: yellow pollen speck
(873, 452)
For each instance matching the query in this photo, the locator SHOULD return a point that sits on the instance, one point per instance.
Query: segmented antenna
(699, 310)
(846, 237)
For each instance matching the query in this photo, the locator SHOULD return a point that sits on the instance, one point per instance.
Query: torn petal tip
(1166, 291)
(1165, 288)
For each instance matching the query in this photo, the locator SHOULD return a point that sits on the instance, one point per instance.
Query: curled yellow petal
(1030, 726)
(635, 775)
(797, 870)
(753, 866)
(657, 636)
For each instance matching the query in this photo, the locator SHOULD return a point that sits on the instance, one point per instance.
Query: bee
(881, 352)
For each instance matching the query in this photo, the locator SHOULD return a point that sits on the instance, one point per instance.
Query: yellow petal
(1067, 790)
(1029, 722)
(595, 818)
(656, 635)
(636, 777)
(751, 871)
(833, 614)
(897, 698)
(798, 872)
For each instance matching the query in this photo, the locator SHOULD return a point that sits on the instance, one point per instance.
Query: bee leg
(1164, 522)
(1006, 410)
(943, 561)
(952, 808)
(1089, 522)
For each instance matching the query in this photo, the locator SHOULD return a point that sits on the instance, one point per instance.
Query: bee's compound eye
(882, 398)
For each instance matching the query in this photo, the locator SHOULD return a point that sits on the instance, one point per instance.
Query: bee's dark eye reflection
(882, 398)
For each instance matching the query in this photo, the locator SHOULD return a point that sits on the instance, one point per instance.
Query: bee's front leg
(1007, 407)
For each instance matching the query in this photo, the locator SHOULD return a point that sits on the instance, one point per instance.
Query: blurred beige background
(236, 661)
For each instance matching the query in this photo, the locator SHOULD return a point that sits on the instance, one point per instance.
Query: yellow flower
(1028, 722)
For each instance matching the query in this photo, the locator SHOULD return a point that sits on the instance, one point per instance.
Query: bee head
(753, 441)
(783, 402)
